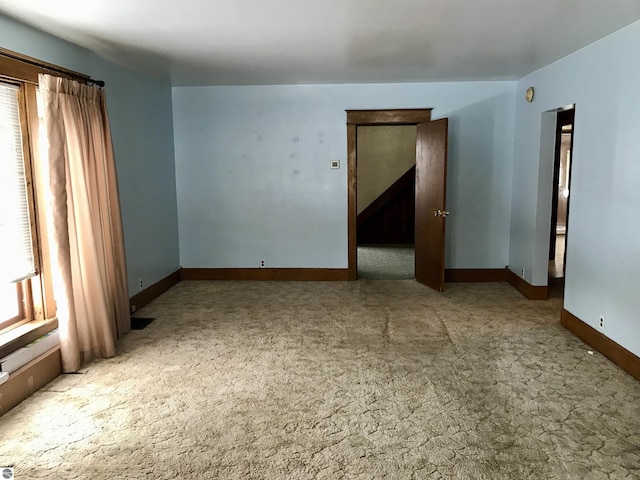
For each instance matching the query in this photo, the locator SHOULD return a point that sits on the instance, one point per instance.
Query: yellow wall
(385, 153)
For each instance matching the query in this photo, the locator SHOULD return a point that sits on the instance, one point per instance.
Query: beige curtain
(85, 226)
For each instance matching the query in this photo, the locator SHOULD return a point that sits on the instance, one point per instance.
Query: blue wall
(253, 176)
(603, 252)
(142, 130)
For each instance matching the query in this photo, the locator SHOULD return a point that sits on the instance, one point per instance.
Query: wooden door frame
(361, 118)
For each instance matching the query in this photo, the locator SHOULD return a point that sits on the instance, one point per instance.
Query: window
(17, 260)
(11, 302)
(27, 308)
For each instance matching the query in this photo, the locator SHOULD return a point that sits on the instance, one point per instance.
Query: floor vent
(139, 323)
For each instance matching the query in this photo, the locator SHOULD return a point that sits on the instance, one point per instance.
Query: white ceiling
(235, 42)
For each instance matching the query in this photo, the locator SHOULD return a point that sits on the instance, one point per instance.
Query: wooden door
(431, 180)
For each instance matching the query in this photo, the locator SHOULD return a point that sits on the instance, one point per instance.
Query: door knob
(440, 213)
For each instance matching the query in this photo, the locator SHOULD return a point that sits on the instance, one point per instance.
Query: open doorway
(430, 188)
(561, 194)
(385, 176)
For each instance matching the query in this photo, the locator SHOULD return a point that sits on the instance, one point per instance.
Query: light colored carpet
(359, 380)
(386, 262)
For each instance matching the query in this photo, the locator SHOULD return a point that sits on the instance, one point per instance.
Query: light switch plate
(335, 164)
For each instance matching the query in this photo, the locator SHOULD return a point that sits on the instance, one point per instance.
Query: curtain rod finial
(97, 83)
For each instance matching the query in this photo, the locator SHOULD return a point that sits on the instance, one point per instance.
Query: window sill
(22, 335)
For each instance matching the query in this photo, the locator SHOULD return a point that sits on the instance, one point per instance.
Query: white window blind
(16, 247)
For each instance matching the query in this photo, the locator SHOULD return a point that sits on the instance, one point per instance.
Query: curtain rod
(49, 67)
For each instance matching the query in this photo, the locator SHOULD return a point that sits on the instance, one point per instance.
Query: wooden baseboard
(29, 378)
(619, 355)
(144, 297)
(280, 274)
(532, 292)
(475, 275)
